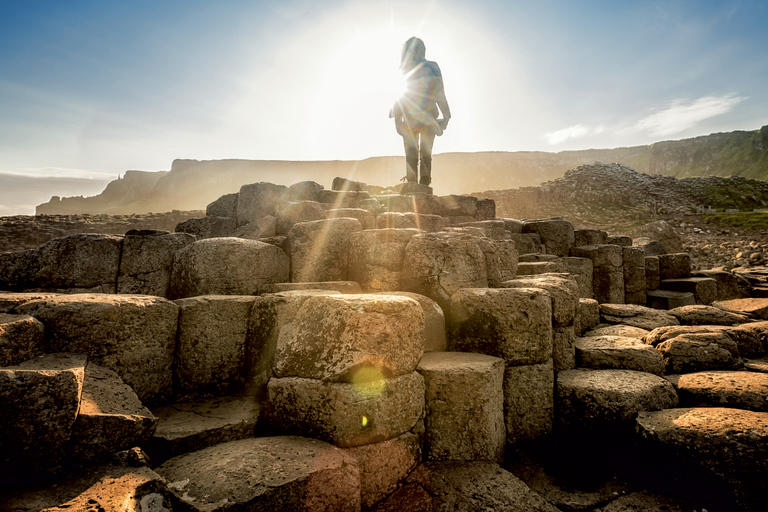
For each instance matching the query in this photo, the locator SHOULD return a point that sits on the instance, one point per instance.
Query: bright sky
(93, 88)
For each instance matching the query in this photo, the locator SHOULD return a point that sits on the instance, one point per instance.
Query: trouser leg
(411, 143)
(425, 155)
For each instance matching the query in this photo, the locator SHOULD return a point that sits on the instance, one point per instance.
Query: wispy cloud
(60, 172)
(572, 132)
(679, 115)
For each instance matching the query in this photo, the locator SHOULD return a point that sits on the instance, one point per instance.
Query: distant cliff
(192, 184)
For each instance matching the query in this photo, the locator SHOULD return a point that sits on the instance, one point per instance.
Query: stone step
(196, 424)
(704, 289)
(282, 473)
(740, 390)
(617, 352)
(666, 299)
(636, 316)
(716, 453)
(753, 308)
(706, 315)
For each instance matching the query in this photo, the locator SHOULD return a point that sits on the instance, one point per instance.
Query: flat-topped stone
(266, 473)
(598, 399)
(725, 449)
(707, 315)
(693, 352)
(434, 321)
(626, 331)
(617, 352)
(339, 286)
(367, 218)
(464, 406)
(21, 339)
(587, 316)
(747, 340)
(376, 258)
(320, 249)
(198, 423)
(740, 390)
(704, 289)
(529, 401)
(667, 299)
(422, 221)
(756, 308)
(636, 316)
(563, 291)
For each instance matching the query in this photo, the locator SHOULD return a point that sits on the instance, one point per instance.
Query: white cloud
(573, 132)
(681, 114)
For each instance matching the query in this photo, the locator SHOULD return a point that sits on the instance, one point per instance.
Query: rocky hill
(192, 184)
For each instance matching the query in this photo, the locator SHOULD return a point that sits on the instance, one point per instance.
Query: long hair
(414, 52)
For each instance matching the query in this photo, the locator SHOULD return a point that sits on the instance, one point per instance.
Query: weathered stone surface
(556, 234)
(410, 220)
(528, 401)
(740, 390)
(526, 243)
(627, 331)
(458, 205)
(343, 198)
(266, 473)
(111, 417)
(208, 227)
(634, 276)
(264, 227)
(648, 502)
(439, 264)
(272, 315)
(606, 352)
(513, 225)
(346, 414)
(660, 231)
(225, 206)
(533, 268)
(756, 308)
(706, 315)
(674, 266)
(226, 266)
(9, 301)
(79, 261)
(145, 264)
(352, 338)
(410, 497)
(21, 339)
(759, 330)
(486, 209)
(132, 335)
(320, 249)
(384, 465)
(582, 270)
(589, 399)
(500, 260)
(562, 290)
(607, 273)
(652, 275)
(257, 200)
(666, 299)
(563, 351)
(195, 424)
(514, 324)
(697, 352)
(464, 406)
(636, 316)
(40, 402)
(376, 258)
(289, 213)
(724, 449)
(17, 269)
(211, 341)
(303, 191)
(746, 339)
(729, 285)
(419, 203)
(582, 237)
(470, 486)
(494, 229)
(587, 316)
(434, 321)
(704, 289)
(650, 247)
(367, 219)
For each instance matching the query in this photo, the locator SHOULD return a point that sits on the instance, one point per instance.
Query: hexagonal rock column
(464, 406)
(754, 307)
(740, 390)
(21, 339)
(723, 452)
(692, 352)
(40, 402)
(707, 315)
(634, 276)
(618, 352)
(212, 337)
(82, 261)
(226, 266)
(514, 324)
(582, 269)
(704, 289)
(556, 234)
(291, 212)
(133, 335)
(608, 271)
(602, 400)
(528, 401)
(401, 220)
(320, 249)
(145, 264)
(224, 206)
(440, 264)
(266, 473)
(636, 316)
(346, 414)
(434, 321)
(674, 266)
(501, 260)
(257, 200)
(376, 258)
(367, 218)
(111, 417)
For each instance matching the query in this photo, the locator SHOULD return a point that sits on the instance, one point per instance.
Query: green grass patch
(743, 220)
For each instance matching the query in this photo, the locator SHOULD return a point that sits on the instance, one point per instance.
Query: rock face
(21, 338)
(376, 258)
(528, 401)
(607, 272)
(636, 316)
(741, 390)
(40, 404)
(464, 406)
(693, 352)
(267, 473)
(133, 335)
(556, 234)
(724, 451)
(434, 321)
(346, 414)
(145, 263)
(605, 352)
(352, 338)
(706, 315)
(320, 249)
(79, 261)
(226, 266)
(257, 200)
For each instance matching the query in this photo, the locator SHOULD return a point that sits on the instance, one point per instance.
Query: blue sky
(93, 88)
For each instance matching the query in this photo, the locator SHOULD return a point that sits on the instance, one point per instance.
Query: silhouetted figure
(416, 112)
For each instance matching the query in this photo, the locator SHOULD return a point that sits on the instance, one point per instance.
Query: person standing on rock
(416, 112)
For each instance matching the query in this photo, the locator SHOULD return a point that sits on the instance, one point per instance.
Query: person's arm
(440, 99)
